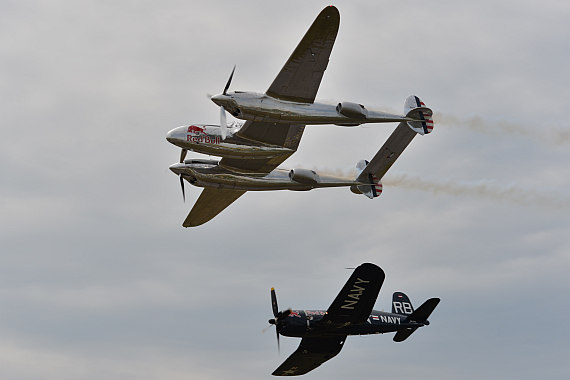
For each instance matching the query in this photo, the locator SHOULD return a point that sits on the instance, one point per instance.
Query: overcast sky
(99, 280)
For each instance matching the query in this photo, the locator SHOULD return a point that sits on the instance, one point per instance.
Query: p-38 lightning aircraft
(273, 128)
(324, 332)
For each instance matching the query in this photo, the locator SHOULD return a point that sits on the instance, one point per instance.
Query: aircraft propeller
(223, 120)
(182, 157)
(229, 81)
(279, 315)
(182, 185)
(223, 123)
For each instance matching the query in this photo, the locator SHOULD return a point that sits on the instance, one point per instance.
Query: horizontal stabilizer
(399, 139)
(402, 335)
(388, 153)
(420, 315)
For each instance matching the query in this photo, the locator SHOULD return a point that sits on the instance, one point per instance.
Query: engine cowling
(352, 110)
(305, 176)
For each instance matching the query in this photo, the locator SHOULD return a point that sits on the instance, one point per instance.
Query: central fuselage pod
(260, 107)
(207, 139)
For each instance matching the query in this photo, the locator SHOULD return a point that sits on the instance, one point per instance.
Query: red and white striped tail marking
(427, 116)
(377, 188)
(428, 120)
(416, 109)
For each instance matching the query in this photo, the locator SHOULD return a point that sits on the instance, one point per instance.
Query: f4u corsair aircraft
(324, 331)
(275, 123)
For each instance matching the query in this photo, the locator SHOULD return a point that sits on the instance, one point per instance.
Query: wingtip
(331, 10)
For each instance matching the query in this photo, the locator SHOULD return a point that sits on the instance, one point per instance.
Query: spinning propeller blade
(183, 155)
(274, 302)
(223, 123)
(229, 81)
(278, 345)
(279, 315)
(182, 185)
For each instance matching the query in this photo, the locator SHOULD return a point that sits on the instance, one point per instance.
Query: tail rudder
(401, 304)
(415, 109)
(420, 316)
(374, 189)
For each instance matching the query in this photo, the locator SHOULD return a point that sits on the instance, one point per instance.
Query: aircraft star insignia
(274, 123)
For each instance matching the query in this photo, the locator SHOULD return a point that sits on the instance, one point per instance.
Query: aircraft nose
(177, 168)
(175, 134)
(170, 135)
(219, 99)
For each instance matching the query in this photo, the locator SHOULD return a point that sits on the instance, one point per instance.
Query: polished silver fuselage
(207, 139)
(208, 173)
(261, 107)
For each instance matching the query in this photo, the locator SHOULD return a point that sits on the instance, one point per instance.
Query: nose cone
(176, 134)
(221, 99)
(177, 168)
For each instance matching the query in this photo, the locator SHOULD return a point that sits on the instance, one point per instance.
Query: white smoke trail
(482, 190)
(545, 133)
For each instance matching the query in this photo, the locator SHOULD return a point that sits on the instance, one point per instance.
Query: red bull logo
(198, 135)
(195, 129)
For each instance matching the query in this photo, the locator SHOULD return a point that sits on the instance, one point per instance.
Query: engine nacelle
(352, 110)
(305, 176)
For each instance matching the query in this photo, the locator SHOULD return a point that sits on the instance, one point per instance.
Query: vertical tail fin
(371, 191)
(416, 109)
(401, 304)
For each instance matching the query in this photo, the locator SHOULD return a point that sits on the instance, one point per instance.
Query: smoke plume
(547, 134)
(481, 190)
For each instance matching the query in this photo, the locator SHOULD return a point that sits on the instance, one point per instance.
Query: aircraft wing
(280, 134)
(312, 352)
(355, 301)
(210, 203)
(389, 152)
(300, 77)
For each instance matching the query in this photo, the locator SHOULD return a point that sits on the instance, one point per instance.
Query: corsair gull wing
(211, 202)
(355, 301)
(312, 352)
(300, 77)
